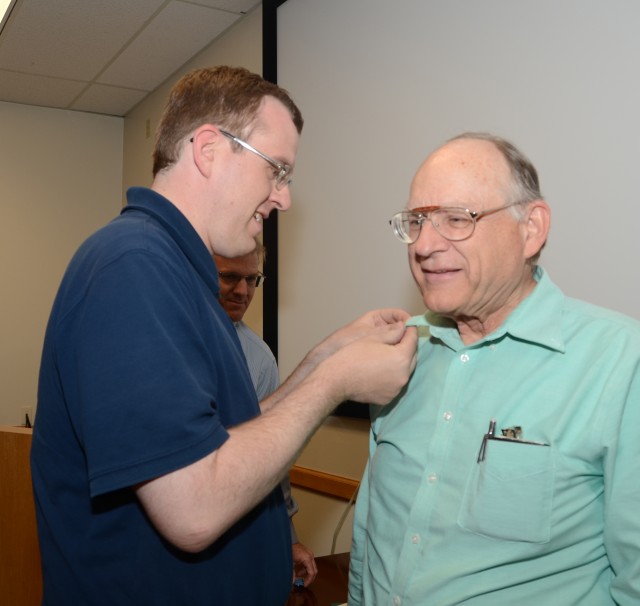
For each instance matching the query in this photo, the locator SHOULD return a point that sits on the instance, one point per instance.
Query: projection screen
(382, 84)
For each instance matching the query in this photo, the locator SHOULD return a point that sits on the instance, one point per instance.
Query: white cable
(342, 519)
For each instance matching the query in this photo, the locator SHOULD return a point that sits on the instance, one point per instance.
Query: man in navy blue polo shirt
(155, 470)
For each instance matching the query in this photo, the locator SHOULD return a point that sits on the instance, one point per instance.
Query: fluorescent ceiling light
(5, 10)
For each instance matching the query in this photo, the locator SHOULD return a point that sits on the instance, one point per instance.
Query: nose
(281, 198)
(241, 287)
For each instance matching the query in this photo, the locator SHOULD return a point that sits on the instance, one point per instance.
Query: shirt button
(415, 539)
(397, 601)
(447, 416)
(432, 478)
(464, 357)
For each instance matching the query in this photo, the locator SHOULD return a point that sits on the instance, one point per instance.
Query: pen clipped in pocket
(509, 492)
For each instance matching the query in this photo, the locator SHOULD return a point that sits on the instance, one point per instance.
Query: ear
(536, 227)
(203, 145)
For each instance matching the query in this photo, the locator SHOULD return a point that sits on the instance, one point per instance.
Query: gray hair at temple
(525, 185)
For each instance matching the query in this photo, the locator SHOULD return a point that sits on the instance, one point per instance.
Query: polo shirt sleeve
(144, 387)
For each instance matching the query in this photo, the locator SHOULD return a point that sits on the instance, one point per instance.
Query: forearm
(260, 452)
(194, 506)
(300, 373)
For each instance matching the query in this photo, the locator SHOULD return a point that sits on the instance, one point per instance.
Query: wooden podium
(20, 573)
(330, 587)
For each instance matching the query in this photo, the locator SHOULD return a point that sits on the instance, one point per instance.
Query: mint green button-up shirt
(555, 522)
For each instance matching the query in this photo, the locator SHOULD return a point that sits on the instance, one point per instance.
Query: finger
(390, 315)
(410, 337)
(392, 333)
(310, 574)
(410, 341)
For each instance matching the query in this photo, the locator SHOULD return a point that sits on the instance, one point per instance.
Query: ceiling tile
(104, 56)
(70, 39)
(176, 34)
(38, 90)
(102, 99)
(235, 6)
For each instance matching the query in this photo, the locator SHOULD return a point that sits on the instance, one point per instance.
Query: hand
(374, 368)
(304, 564)
(361, 327)
(382, 324)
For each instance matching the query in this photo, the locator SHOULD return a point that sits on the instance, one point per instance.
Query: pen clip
(491, 432)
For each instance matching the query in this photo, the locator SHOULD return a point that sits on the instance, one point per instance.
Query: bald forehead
(474, 155)
(462, 163)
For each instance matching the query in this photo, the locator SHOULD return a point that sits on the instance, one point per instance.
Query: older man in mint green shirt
(507, 470)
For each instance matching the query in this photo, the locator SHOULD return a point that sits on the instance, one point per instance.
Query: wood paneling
(325, 483)
(20, 574)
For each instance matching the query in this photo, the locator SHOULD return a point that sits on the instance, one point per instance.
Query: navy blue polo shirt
(141, 374)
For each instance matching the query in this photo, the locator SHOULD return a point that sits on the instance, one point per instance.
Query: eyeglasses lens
(282, 177)
(252, 281)
(452, 223)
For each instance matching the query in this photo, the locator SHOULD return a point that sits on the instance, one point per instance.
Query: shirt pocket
(508, 496)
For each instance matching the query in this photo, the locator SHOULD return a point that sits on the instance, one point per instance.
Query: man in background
(239, 278)
(506, 472)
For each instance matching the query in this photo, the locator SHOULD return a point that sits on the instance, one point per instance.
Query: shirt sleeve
(141, 374)
(268, 379)
(292, 506)
(622, 497)
(358, 544)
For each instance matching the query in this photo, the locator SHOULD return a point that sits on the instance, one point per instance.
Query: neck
(184, 195)
(475, 328)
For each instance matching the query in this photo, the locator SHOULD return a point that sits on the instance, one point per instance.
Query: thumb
(409, 343)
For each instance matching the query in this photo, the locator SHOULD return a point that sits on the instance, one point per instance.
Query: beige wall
(339, 447)
(60, 176)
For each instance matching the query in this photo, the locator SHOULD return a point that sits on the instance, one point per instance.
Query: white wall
(60, 178)
(382, 84)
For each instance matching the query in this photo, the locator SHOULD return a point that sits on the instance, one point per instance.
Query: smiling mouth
(437, 276)
(258, 217)
(439, 271)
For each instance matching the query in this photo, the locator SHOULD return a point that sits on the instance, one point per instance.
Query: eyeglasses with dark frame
(232, 279)
(452, 223)
(281, 172)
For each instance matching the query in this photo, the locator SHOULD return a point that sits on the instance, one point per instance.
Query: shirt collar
(537, 319)
(179, 228)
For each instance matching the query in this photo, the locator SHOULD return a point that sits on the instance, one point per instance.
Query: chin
(438, 306)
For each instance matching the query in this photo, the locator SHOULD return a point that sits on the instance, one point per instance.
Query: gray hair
(524, 185)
